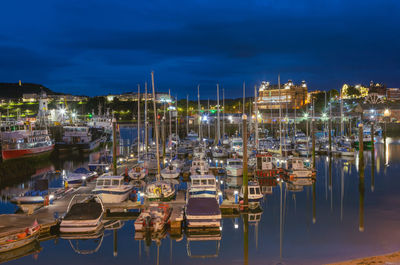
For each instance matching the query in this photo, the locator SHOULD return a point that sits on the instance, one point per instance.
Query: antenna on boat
(187, 114)
(223, 113)
(156, 126)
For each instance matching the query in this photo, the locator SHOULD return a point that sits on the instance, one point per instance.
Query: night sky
(100, 47)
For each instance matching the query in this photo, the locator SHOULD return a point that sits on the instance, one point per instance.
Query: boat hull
(19, 153)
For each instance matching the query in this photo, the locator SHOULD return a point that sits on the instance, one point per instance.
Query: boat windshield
(235, 163)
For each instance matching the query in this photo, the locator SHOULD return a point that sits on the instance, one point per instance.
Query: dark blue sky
(99, 47)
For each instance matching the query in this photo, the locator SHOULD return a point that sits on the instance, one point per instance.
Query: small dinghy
(153, 219)
(18, 240)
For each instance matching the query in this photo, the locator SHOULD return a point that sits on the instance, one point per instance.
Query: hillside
(14, 90)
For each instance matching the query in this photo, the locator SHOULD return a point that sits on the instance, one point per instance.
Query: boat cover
(84, 211)
(202, 206)
(82, 170)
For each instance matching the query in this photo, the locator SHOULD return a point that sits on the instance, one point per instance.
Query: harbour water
(347, 213)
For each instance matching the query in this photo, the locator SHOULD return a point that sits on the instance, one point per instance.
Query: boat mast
(208, 121)
(187, 114)
(280, 115)
(176, 124)
(146, 136)
(218, 121)
(156, 126)
(223, 114)
(170, 129)
(341, 113)
(244, 102)
(256, 114)
(138, 121)
(198, 106)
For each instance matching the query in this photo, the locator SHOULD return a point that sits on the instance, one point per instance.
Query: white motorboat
(234, 167)
(199, 167)
(202, 213)
(254, 192)
(199, 152)
(295, 168)
(112, 189)
(203, 186)
(160, 190)
(153, 218)
(170, 172)
(84, 215)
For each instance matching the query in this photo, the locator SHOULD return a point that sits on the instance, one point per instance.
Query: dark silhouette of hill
(14, 90)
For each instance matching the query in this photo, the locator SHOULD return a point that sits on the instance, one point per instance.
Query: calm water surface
(342, 216)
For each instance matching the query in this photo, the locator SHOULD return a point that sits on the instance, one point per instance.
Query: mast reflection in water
(350, 211)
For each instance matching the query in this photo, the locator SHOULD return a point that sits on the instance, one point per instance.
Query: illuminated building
(290, 95)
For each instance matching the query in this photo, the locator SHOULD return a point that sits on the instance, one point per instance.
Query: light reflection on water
(348, 213)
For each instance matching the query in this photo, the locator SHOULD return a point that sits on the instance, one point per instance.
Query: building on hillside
(378, 88)
(289, 95)
(30, 97)
(357, 91)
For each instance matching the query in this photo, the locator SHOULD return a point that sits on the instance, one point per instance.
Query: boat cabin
(234, 162)
(264, 161)
(108, 181)
(203, 181)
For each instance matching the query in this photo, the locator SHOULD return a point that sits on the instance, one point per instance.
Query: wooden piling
(361, 145)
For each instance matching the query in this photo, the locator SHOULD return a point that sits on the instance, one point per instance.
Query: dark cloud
(109, 46)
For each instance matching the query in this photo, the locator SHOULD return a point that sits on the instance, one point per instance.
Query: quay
(49, 216)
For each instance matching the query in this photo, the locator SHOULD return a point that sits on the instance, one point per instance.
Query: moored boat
(112, 189)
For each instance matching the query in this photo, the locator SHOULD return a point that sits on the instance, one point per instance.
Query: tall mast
(223, 113)
(218, 121)
(198, 105)
(208, 121)
(280, 115)
(146, 124)
(138, 121)
(187, 114)
(156, 126)
(256, 114)
(170, 129)
(341, 113)
(176, 124)
(244, 102)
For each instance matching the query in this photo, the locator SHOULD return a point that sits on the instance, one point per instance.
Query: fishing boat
(265, 168)
(84, 215)
(234, 167)
(25, 143)
(160, 190)
(153, 219)
(170, 172)
(199, 167)
(78, 137)
(202, 213)
(17, 240)
(203, 186)
(295, 168)
(254, 192)
(112, 189)
(236, 144)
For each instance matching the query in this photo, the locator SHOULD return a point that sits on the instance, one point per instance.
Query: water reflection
(297, 223)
